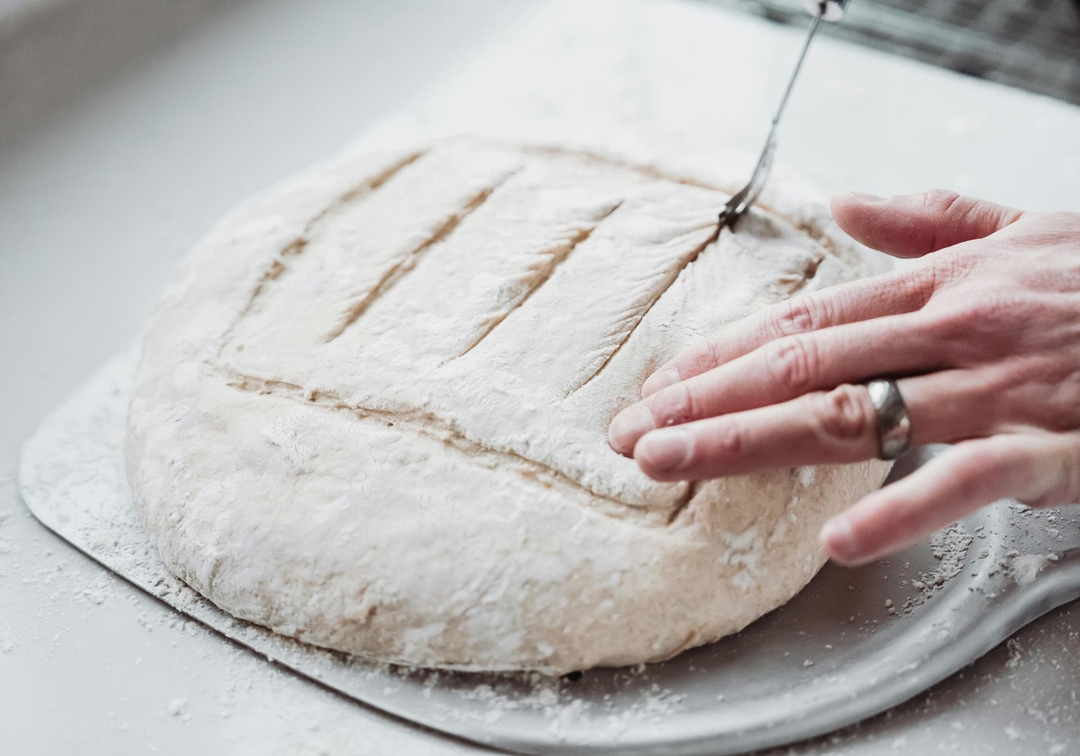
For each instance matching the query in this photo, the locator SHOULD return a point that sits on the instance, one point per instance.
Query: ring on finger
(893, 422)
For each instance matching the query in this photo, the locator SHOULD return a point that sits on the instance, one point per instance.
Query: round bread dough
(371, 413)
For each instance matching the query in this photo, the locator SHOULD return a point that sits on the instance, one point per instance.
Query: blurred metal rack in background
(1032, 44)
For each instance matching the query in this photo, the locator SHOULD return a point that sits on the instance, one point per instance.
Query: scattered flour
(558, 700)
(1024, 568)
(178, 708)
(1015, 652)
(950, 548)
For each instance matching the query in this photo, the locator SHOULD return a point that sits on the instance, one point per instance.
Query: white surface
(95, 207)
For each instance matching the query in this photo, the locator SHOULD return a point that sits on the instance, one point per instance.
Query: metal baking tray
(853, 643)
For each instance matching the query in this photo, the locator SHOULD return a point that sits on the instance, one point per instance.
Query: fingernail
(867, 198)
(659, 380)
(665, 449)
(628, 426)
(839, 540)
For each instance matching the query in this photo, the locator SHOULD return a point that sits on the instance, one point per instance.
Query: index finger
(822, 427)
(887, 294)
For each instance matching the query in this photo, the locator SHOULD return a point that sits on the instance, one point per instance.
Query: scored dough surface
(371, 412)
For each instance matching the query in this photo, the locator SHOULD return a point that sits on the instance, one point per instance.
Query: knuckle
(947, 208)
(673, 405)
(939, 202)
(1033, 391)
(707, 357)
(793, 364)
(795, 316)
(845, 413)
(990, 320)
(728, 440)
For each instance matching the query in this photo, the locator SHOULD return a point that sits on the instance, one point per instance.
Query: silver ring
(893, 423)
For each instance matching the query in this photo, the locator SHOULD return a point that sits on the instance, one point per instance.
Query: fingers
(888, 294)
(818, 428)
(1041, 469)
(838, 426)
(783, 370)
(951, 405)
(913, 225)
(906, 226)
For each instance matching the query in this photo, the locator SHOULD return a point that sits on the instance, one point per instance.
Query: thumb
(912, 225)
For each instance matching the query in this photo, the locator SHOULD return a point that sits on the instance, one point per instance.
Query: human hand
(983, 332)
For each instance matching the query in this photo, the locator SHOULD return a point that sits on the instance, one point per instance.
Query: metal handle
(821, 10)
(830, 10)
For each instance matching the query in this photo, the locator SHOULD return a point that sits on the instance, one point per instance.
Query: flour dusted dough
(371, 412)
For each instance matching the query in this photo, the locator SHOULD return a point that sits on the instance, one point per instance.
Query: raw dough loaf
(371, 412)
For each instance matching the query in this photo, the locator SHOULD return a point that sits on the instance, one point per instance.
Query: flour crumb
(178, 708)
(1024, 568)
(950, 548)
(1015, 656)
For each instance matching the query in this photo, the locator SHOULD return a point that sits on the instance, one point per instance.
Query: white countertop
(98, 201)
